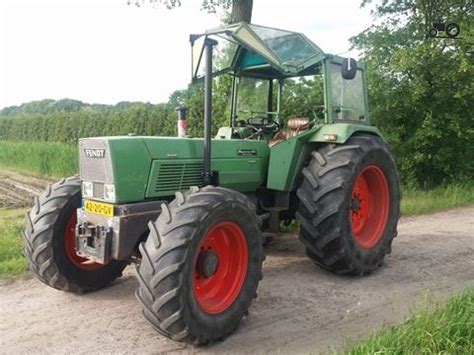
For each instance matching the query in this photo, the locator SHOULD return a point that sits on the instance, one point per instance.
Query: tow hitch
(104, 238)
(93, 242)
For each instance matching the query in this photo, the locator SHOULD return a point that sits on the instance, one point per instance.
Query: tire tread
(322, 196)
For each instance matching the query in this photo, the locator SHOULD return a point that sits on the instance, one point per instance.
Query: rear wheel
(349, 205)
(201, 265)
(49, 242)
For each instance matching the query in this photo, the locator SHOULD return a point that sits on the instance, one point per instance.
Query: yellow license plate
(104, 209)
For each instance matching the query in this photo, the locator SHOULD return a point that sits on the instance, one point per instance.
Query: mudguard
(288, 157)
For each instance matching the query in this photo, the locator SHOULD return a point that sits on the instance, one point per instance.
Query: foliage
(447, 330)
(51, 122)
(209, 5)
(421, 90)
(12, 263)
(303, 98)
(47, 106)
(241, 10)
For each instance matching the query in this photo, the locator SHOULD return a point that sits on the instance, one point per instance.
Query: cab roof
(259, 51)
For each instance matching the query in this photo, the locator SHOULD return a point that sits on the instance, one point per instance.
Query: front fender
(342, 132)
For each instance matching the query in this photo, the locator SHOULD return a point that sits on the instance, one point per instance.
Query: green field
(12, 263)
(445, 330)
(43, 159)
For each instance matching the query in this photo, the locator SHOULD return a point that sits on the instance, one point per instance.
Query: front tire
(201, 265)
(49, 242)
(349, 205)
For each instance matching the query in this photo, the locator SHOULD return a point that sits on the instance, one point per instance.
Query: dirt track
(17, 190)
(300, 308)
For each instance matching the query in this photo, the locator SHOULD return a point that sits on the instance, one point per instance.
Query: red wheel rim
(369, 206)
(70, 246)
(215, 293)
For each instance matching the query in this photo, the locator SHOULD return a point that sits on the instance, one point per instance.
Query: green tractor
(193, 213)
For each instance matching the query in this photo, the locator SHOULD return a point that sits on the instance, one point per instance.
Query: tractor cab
(260, 61)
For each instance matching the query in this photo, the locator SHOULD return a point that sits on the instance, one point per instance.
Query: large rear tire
(201, 265)
(349, 205)
(49, 242)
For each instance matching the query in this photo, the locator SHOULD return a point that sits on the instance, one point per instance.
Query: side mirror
(349, 68)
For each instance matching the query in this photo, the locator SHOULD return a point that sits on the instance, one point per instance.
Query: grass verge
(12, 263)
(446, 330)
(41, 158)
(443, 197)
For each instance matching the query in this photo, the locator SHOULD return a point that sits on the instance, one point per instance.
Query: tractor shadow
(285, 254)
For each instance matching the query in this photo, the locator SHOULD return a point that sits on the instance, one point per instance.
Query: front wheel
(201, 265)
(50, 247)
(349, 205)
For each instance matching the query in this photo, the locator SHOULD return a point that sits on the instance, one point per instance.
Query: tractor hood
(120, 161)
(154, 167)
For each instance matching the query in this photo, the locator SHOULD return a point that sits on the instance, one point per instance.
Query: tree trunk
(241, 11)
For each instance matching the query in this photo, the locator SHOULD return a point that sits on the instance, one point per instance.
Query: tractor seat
(294, 126)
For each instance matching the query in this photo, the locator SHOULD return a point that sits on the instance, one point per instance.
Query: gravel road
(300, 307)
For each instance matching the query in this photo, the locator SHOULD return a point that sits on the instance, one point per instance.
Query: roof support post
(233, 103)
(270, 99)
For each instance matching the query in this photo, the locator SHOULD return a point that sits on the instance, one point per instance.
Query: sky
(106, 51)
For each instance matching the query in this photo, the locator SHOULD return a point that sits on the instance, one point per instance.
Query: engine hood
(137, 165)
(122, 161)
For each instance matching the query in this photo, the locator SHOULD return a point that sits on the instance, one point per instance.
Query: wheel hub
(355, 204)
(369, 206)
(220, 267)
(207, 263)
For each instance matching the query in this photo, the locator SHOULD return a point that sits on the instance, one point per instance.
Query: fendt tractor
(192, 213)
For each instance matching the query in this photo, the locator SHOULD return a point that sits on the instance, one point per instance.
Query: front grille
(98, 189)
(97, 169)
(178, 176)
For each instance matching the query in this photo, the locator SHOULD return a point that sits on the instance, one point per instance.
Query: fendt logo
(95, 153)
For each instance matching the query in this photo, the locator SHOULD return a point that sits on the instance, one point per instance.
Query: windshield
(252, 97)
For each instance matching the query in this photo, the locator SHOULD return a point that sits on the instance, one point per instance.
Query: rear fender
(288, 157)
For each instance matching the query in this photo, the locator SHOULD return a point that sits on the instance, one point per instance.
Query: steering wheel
(262, 125)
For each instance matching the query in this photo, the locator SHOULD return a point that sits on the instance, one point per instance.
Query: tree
(421, 90)
(241, 10)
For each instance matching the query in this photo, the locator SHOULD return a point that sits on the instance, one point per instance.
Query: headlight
(87, 189)
(109, 192)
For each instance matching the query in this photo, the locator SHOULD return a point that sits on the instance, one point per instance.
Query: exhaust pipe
(182, 122)
(207, 173)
